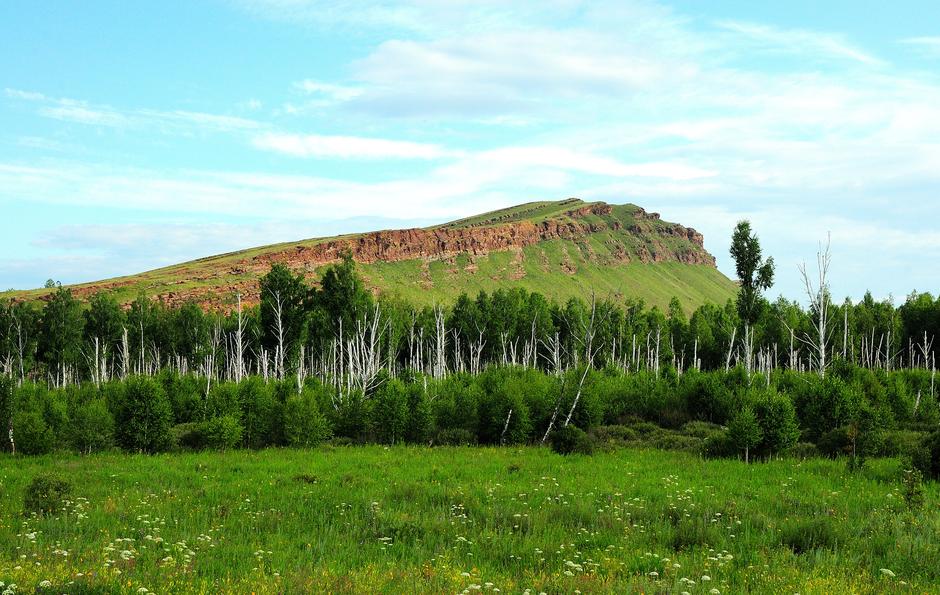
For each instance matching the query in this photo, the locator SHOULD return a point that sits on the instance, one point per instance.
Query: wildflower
(706, 578)
(888, 573)
(715, 592)
(45, 584)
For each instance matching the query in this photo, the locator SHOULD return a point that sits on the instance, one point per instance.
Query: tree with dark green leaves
(285, 299)
(342, 298)
(60, 336)
(755, 275)
(745, 431)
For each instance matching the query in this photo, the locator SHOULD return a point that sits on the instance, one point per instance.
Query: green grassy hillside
(617, 252)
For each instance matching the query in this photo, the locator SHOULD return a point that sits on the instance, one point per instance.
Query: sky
(136, 135)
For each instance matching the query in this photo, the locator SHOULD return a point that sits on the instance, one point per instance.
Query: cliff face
(443, 243)
(598, 234)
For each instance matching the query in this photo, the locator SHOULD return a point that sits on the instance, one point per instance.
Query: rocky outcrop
(639, 236)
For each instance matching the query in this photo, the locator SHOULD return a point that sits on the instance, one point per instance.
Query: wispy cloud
(814, 44)
(179, 121)
(926, 46)
(346, 147)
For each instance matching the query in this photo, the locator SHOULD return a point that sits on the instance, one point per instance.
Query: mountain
(558, 248)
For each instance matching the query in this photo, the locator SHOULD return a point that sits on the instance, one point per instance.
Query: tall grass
(403, 519)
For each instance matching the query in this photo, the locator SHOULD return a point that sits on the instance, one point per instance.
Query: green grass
(404, 520)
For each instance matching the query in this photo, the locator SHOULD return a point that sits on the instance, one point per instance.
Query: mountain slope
(561, 249)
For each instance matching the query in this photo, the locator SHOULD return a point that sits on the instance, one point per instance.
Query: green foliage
(390, 412)
(92, 427)
(778, 423)
(60, 333)
(927, 457)
(222, 433)
(304, 425)
(46, 494)
(754, 274)
(143, 416)
(31, 433)
(261, 413)
(285, 300)
(571, 440)
(745, 431)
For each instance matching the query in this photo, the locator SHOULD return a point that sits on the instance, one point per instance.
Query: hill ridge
(561, 248)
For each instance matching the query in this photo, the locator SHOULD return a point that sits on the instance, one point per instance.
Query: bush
(927, 458)
(92, 427)
(898, 443)
(456, 437)
(222, 433)
(30, 432)
(669, 440)
(304, 425)
(260, 413)
(777, 418)
(720, 446)
(189, 436)
(46, 494)
(390, 412)
(802, 450)
(701, 429)
(745, 431)
(144, 416)
(571, 440)
(617, 434)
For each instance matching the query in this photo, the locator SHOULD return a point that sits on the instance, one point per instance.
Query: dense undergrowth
(853, 412)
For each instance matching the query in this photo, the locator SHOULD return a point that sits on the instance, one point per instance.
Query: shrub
(670, 440)
(777, 418)
(144, 416)
(418, 428)
(390, 412)
(222, 433)
(719, 446)
(189, 436)
(745, 432)
(260, 413)
(92, 427)
(898, 443)
(802, 450)
(304, 425)
(615, 434)
(701, 429)
(455, 437)
(927, 458)
(30, 432)
(46, 494)
(571, 439)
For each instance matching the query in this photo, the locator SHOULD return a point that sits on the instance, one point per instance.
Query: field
(512, 520)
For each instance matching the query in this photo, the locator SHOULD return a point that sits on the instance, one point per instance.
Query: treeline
(853, 411)
(339, 332)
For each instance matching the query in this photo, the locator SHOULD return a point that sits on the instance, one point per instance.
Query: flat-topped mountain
(560, 249)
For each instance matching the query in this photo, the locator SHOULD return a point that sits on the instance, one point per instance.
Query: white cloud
(328, 90)
(927, 46)
(798, 41)
(176, 121)
(346, 147)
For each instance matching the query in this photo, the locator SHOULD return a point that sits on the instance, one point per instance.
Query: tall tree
(284, 301)
(755, 275)
(60, 334)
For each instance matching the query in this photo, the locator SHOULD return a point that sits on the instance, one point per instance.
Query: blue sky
(134, 135)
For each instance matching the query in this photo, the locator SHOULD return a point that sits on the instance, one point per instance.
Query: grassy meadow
(455, 520)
